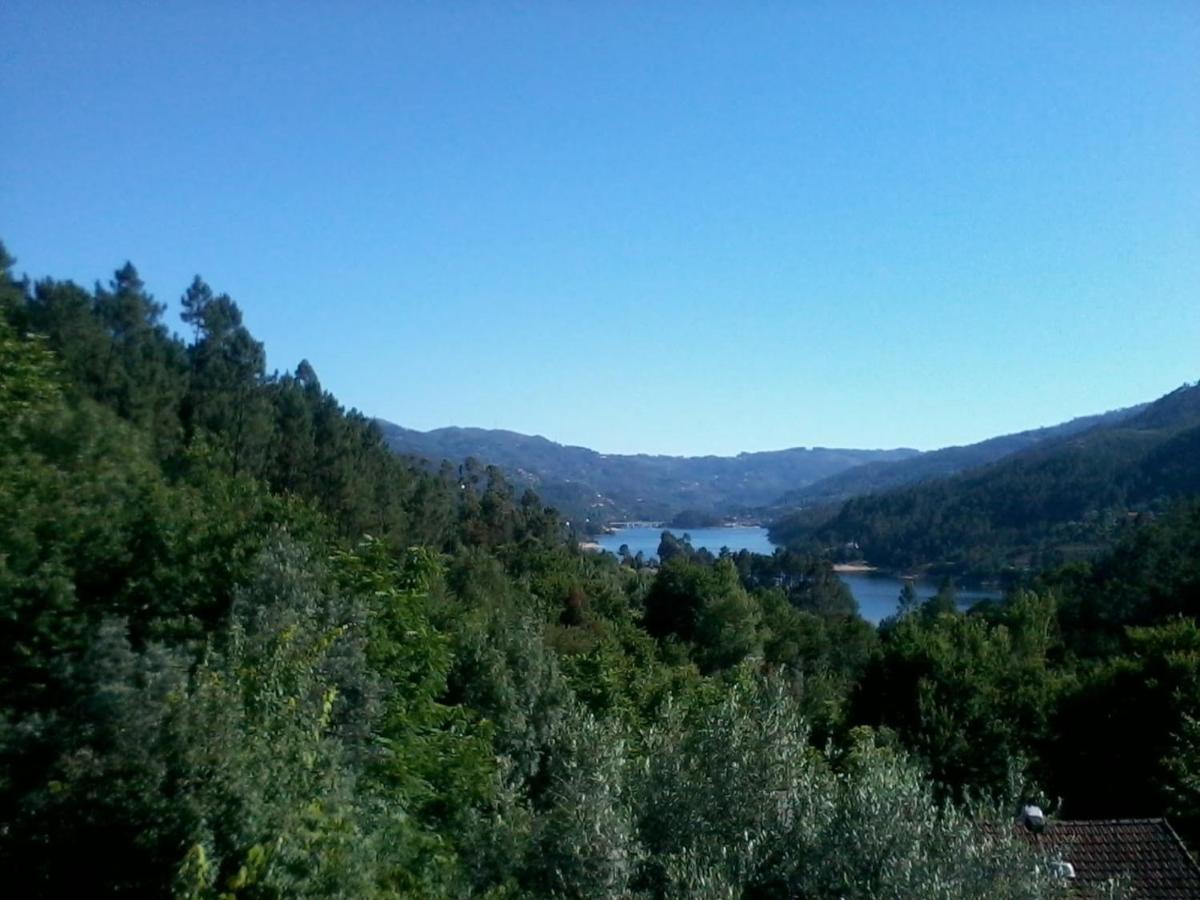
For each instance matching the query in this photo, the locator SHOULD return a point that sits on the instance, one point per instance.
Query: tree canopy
(250, 652)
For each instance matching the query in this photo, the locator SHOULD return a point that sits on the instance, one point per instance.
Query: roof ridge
(1108, 821)
(1147, 850)
(1182, 846)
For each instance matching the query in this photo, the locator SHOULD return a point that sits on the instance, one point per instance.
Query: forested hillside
(248, 652)
(874, 477)
(615, 487)
(1062, 499)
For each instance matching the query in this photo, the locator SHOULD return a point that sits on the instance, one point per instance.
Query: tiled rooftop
(1148, 852)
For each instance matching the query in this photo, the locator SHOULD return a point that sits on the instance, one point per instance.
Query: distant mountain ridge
(1059, 499)
(979, 506)
(636, 486)
(874, 477)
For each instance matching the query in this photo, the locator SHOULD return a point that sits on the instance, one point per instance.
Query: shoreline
(854, 567)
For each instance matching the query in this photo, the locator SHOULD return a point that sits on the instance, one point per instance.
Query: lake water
(646, 538)
(875, 592)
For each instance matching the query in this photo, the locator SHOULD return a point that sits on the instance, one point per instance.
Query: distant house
(1146, 854)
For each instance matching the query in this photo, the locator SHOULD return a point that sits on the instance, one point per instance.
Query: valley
(892, 591)
(207, 569)
(1009, 503)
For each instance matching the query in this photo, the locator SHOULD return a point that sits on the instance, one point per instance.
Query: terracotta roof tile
(1148, 852)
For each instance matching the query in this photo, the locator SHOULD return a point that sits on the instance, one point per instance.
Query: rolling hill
(877, 476)
(1059, 499)
(614, 487)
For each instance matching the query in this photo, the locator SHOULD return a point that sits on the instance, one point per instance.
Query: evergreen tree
(141, 376)
(225, 397)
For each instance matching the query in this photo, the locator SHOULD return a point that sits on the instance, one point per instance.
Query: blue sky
(640, 227)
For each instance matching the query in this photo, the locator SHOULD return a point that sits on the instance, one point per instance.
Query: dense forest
(1064, 499)
(249, 652)
(881, 475)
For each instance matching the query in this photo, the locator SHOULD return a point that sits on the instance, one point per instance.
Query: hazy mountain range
(615, 487)
(1062, 498)
(873, 477)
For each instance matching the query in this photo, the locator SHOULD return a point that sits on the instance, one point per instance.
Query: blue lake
(875, 592)
(646, 537)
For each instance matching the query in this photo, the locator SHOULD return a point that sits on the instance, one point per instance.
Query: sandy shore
(853, 567)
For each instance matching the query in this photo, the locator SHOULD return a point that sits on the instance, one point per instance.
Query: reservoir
(645, 538)
(876, 592)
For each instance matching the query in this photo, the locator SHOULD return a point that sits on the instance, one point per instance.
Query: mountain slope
(1060, 498)
(874, 477)
(617, 486)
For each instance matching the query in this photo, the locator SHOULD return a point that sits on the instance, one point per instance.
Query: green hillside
(249, 652)
(1062, 499)
(615, 487)
(875, 477)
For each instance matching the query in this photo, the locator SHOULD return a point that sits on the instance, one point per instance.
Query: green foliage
(879, 476)
(226, 778)
(728, 628)
(809, 582)
(735, 802)
(966, 695)
(263, 739)
(226, 374)
(584, 841)
(1181, 774)
(625, 677)
(29, 383)
(431, 760)
(707, 607)
(637, 487)
(1150, 576)
(889, 836)
(249, 652)
(1132, 714)
(1059, 499)
(507, 674)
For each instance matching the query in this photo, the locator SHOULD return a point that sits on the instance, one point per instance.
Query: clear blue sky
(640, 227)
